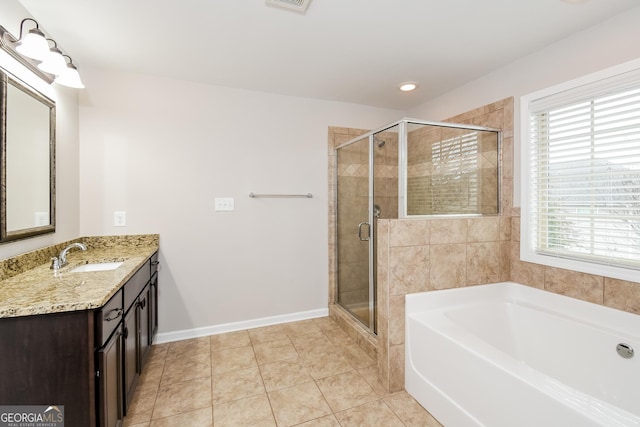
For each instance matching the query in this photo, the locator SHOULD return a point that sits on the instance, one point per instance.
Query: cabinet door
(153, 308)
(50, 358)
(143, 326)
(110, 382)
(130, 359)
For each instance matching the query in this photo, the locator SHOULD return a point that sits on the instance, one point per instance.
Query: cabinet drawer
(108, 318)
(134, 286)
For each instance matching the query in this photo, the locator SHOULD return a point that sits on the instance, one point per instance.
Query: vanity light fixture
(34, 44)
(33, 51)
(70, 77)
(295, 5)
(408, 86)
(53, 62)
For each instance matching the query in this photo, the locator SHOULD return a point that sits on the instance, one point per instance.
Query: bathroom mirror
(27, 164)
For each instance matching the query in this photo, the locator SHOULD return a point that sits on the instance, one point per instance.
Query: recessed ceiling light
(408, 86)
(575, 1)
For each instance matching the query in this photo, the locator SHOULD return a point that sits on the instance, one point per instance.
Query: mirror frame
(5, 235)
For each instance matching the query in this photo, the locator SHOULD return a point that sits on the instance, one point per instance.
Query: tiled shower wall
(417, 255)
(386, 174)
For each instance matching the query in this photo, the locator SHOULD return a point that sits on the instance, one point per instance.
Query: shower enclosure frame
(402, 125)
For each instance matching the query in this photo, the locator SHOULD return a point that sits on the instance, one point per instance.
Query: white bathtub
(511, 355)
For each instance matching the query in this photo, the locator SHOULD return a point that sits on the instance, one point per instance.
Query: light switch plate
(224, 203)
(119, 218)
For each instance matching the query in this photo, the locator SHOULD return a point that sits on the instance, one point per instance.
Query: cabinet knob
(155, 262)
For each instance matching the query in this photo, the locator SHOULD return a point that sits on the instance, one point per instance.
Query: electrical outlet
(224, 203)
(119, 219)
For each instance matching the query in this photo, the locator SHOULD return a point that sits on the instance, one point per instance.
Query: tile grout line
(213, 415)
(273, 415)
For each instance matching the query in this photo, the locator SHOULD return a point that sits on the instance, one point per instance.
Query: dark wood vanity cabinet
(87, 360)
(49, 360)
(138, 332)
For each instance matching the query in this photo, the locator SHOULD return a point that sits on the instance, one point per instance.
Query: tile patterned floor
(307, 373)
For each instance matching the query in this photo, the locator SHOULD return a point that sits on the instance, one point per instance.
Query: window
(581, 174)
(454, 180)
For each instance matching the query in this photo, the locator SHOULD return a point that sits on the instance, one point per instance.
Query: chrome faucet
(61, 260)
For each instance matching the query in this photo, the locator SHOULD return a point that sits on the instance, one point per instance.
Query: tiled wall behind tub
(418, 255)
(614, 293)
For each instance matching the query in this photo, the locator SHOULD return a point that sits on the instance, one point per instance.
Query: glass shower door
(354, 240)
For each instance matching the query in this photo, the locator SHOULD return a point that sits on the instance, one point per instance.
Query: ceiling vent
(297, 5)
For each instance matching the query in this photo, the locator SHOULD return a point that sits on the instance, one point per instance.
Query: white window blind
(584, 173)
(454, 180)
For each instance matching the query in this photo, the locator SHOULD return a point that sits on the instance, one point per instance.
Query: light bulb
(70, 77)
(34, 45)
(53, 63)
(408, 86)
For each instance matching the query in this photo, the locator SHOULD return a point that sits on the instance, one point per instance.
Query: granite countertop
(41, 291)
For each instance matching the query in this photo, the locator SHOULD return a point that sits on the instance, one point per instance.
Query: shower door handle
(363, 239)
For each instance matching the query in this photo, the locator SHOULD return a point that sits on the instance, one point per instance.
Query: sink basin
(98, 266)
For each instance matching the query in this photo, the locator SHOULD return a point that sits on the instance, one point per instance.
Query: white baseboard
(165, 337)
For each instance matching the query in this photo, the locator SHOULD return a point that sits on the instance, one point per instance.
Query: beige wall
(163, 149)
